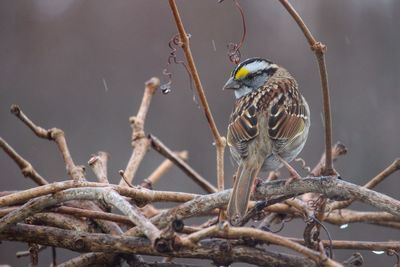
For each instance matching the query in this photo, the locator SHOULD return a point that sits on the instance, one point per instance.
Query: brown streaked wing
(242, 128)
(287, 120)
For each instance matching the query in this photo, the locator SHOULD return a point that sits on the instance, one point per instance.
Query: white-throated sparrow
(268, 126)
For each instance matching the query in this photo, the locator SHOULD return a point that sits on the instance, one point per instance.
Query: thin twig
(140, 143)
(338, 150)
(34, 254)
(26, 168)
(319, 49)
(220, 141)
(164, 167)
(127, 182)
(393, 167)
(94, 215)
(54, 256)
(98, 163)
(26, 253)
(186, 168)
(76, 172)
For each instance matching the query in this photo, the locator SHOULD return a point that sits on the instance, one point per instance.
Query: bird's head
(250, 75)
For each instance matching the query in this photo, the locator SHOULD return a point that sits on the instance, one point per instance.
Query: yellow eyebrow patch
(241, 73)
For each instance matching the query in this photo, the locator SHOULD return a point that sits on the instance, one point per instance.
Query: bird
(267, 129)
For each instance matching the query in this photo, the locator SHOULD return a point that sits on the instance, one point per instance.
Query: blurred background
(81, 66)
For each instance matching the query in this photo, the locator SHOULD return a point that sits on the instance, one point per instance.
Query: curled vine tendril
(303, 165)
(173, 43)
(392, 252)
(315, 204)
(234, 54)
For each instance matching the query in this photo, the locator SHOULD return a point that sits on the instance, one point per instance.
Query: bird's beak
(231, 84)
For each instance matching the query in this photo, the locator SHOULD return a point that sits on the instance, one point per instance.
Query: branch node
(15, 109)
(55, 133)
(355, 260)
(163, 245)
(152, 84)
(178, 225)
(79, 243)
(319, 47)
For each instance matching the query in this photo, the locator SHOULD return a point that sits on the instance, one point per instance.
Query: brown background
(56, 55)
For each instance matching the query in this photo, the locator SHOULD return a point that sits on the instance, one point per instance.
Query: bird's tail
(237, 206)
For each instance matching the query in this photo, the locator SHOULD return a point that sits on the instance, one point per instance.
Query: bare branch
(94, 215)
(150, 181)
(26, 168)
(220, 141)
(98, 163)
(395, 166)
(138, 194)
(58, 136)
(331, 188)
(319, 49)
(140, 143)
(338, 150)
(91, 259)
(351, 216)
(267, 237)
(195, 176)
(358, 245)
(109, 196)
(123, 244)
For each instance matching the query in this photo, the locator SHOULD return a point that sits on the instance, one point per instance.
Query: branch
(217, 250)
(76, 172)
(332, 188)
(266, 237)
(98, 163)
(91, 259)
(220, 141)
(60, 221)
(138, 194)
(140, 143)
(167, 164)
(94, 215)
(26, 168)
(358, 245)
(351, 216)
(338, 150)
(109, 196)
(319, 49)
(395, 166)
(181, 164)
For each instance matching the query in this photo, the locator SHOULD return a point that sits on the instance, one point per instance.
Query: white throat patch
(244, 90)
